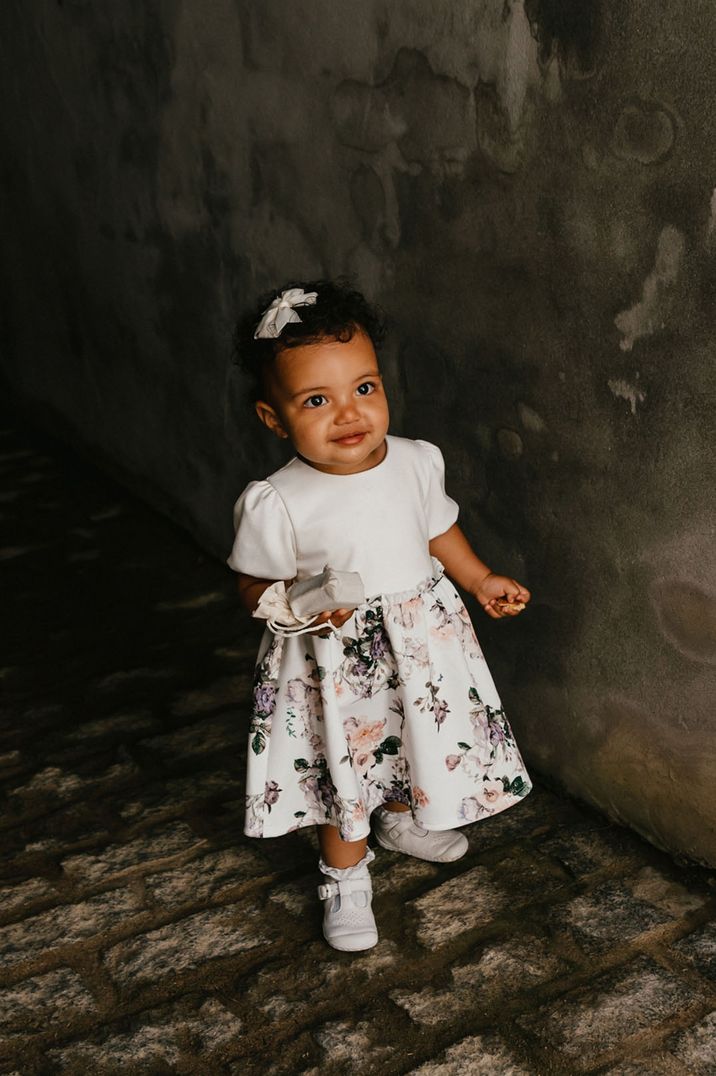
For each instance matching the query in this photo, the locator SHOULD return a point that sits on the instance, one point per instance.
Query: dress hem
(456, 823)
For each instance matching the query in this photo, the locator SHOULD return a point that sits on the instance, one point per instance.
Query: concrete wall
(531, 192)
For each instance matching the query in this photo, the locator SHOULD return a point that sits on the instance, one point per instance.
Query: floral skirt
(401, 706)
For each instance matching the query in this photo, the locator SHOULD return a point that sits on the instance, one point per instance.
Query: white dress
(402, 706)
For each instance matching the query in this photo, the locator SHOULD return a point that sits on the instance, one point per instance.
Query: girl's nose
(348, 412)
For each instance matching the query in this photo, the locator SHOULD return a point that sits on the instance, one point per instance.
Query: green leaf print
(464, 746)
(300, 764)
(390, 745)
(518, 787)
(299, 814)
(474, 697)
(258, 743)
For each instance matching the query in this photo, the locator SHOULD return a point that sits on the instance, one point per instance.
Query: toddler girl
(386, 712)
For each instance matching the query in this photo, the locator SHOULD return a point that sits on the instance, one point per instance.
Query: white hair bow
(281, 312)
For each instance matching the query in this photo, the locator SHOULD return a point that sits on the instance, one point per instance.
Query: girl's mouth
(352, 439)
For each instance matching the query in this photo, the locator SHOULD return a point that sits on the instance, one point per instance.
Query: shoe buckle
(325, 892)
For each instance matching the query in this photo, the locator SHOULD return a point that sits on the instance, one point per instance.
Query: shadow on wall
(576, 31)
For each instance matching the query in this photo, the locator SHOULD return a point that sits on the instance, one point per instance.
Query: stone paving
(140, 932)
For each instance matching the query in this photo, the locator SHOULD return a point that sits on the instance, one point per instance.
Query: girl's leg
(338, 853)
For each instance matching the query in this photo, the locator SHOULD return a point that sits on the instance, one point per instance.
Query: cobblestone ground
(140, 932)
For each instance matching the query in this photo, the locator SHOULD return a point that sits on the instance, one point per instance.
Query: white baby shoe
(348, 922)
(398, 831)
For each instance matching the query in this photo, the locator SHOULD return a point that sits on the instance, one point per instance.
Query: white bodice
(377, 522)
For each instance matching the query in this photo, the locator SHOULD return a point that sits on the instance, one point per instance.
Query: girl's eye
(315, 401)
(366, 388)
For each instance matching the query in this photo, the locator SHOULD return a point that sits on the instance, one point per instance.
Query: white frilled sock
(346, 874)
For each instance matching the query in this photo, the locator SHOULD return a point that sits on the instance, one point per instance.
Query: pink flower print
(407, 613)
(489, 793)
(420, 798)
(413, 655)
(417, 651)
(463, 613)
(475, 760)
(317, 745)
(478, 717)
(453, 761)
(443, 631)
(346, 827)
(441, 710)
(306, 696)
(310, 791)
(363, 738)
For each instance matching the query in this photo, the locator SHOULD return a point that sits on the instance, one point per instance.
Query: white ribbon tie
(281, 312)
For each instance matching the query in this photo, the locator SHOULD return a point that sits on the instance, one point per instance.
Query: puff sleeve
(264, 545)
(442, 511)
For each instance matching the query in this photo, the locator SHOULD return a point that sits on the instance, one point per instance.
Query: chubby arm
(251, 589)
(463, 565)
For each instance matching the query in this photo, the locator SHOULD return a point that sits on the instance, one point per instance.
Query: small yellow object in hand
(506, 606)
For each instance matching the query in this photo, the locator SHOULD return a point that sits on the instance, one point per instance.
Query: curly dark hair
(338, 313)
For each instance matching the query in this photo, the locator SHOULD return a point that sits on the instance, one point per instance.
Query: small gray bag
(326, 592)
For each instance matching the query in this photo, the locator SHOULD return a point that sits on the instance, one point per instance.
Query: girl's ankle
(360, 867)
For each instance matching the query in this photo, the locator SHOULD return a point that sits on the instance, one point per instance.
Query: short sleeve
(442, 511)
(264, 545)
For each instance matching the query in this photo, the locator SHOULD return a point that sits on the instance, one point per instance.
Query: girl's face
(328, 399)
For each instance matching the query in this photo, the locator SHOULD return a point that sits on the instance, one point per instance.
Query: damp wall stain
(528, 188)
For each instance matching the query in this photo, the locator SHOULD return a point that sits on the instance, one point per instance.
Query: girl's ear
(270, 419)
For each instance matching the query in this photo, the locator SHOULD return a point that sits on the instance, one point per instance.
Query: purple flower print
(433, 704)
(396, 794)
(271, 791)
(311, 789)
(470, 809)
(497, 734)
(326, 791)
(378, 646)
(264, 698)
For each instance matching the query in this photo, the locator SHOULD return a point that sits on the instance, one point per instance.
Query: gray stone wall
(529, 189)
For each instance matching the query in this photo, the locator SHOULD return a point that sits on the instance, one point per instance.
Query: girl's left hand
(496, 590)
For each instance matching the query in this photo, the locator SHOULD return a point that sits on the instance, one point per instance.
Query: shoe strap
(334, 889)
(402, 822)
